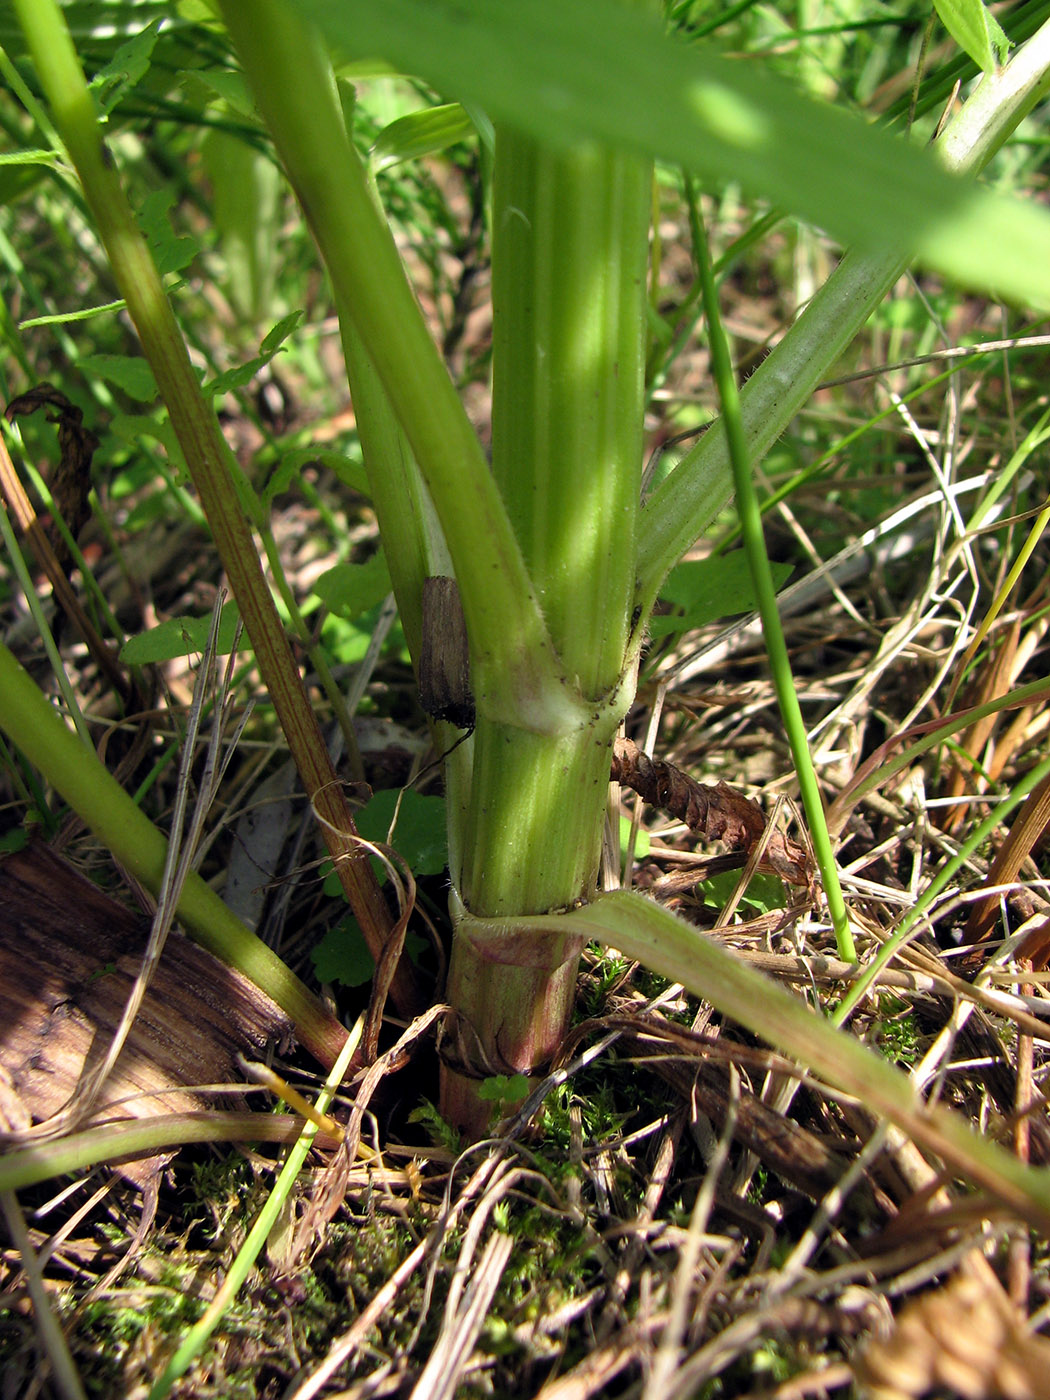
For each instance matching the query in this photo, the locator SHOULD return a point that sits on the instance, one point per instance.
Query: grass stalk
(65, 1376)
(982, 832)
(672, 948)
(128, 1138)
(197, 1337)
(750, 515)
(208, 458)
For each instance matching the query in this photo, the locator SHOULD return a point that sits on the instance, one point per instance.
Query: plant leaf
(672, 948)
(349, 470)
(239, 375)
(342, 955)
(182, 636)
(709, 589)
(130, 373)
(419, 835)
(128, 66)
(596, 69)
(421, 134)
(170, 251)
(976, 31)
(348, 590)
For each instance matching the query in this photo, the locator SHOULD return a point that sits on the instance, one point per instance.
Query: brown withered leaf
(718, 813)
(964, 1339)
(68, 957)
(70, 482)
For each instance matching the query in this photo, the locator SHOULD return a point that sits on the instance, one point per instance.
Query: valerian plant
(557, 558)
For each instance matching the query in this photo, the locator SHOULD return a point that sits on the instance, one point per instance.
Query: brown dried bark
(68, 957)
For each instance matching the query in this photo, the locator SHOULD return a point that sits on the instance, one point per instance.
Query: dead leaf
(70, 483)
(964, 1338)
(718, 813)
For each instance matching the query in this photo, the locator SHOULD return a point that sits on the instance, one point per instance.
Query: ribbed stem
(569, 263)
(511, 655)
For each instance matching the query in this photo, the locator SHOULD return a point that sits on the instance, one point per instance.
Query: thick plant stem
(543, 545)
(569, 256)
(514, 665)
(209, 461)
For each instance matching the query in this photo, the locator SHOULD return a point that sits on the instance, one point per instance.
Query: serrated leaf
(422, 133)
(127, 372)
(976, 31)
(125, 70)
(419, 836)
(348, 590)
(183, 636)
(708, 590)
(584, 70)
(231, 87)
(349, 470)
(240, 375)
(342, 955)
(171, 252)
(135, 428)
(276, 337)
(235, 378)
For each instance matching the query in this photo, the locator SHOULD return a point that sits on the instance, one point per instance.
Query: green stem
(569, 294)
(413, 542)
(750, 516)
(513, 663)
(36, 727)
(981, 833)
(209, 460)
(412, 539)
(318, 659)
(128, 1138)
(569, 251)
(197, 1336)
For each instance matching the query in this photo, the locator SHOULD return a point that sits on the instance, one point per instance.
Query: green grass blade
(765, 590)
(672, 948)
(197, 1337)
(688, 499)
(596, 69)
